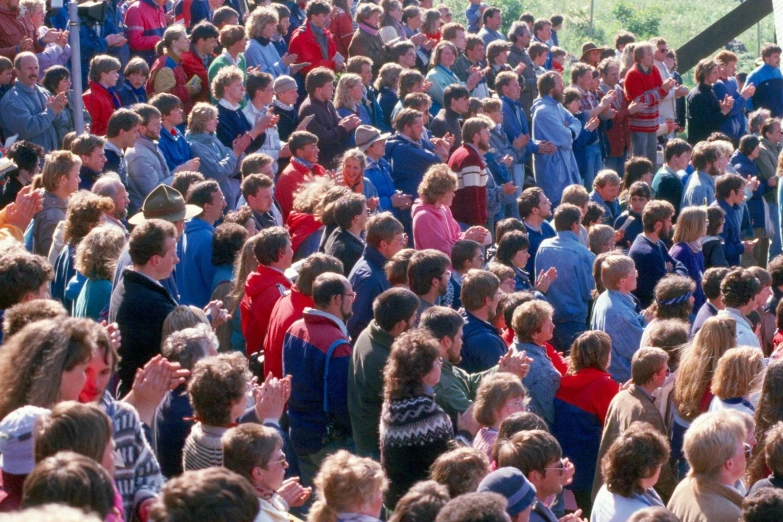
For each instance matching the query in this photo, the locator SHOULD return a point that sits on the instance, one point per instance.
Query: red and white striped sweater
(644, 87)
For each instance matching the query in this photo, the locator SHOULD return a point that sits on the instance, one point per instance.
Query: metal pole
(76, 67)
(758, 37)
(592, 8)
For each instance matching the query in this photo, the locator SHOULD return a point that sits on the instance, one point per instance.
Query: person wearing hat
(284, 106)
(16, 448)
(515, 487)
(591, 54)
(163, 203)
(370, 141)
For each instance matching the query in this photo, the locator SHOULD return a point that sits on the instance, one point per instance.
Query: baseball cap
(16, 439)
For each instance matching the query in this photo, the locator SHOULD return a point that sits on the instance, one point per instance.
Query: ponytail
(159, 47)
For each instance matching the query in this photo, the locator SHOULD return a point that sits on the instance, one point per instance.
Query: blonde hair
(606, 177)
(199, 116)
(345, 483)
(437, 181)
(691, 224)
(342, 96)
(355, 154)
(225, 77)
(711, 440)
(311, 193)
(738, 373)
(57, 165)
(529, 318)
(614, 268)
(98, 252)
(493, 393)
(388, 76)
(171, 35)
(699, 361)
(259, 19)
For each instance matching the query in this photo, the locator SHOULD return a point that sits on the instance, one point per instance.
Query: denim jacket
(616, 314)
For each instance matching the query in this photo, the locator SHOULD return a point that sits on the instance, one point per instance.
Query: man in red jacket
(304, 150)
(290, 308)
(313, 43)
(467, 162)
(266, 285)
(197, 59)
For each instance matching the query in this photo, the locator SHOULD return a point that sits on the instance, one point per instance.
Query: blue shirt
(571, 292)
(541, 382)
(611, 208)
(700, 188)
(616, 314)
(536, 237)
(515, 123)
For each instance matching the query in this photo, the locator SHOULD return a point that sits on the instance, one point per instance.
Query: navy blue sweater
(650, 259)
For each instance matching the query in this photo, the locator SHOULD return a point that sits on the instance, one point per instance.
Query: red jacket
(180, 90)
(262, 290)
(288, 310)
(341, 28)
(145, 21)
(590, 390)
(470, 199)
(305, 46)
(292, 177)
(301, 226)
(192, 65)
(101, 104)
(619, 135)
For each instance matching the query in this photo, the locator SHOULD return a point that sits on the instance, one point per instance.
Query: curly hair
(22, 273)
(529, 318)
(633, 456)
(201, 114)
(739, 287)
(98, 252)
(493, 393)
(22, 314)
(216, 383)
(671, 287)
(413, 355)
(239, 216)
(259, 19)
(85, 212)
(311, 194)
(460, 469)
(344, 481)
(225, 77)
(437, 181)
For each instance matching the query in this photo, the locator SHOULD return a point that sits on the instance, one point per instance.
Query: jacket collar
(374, 257)
(326, 315)
(380, 336)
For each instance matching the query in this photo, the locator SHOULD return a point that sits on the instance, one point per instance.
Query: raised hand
(293, 493)
(748, 90)
(592, 124)
(636, 106)
(726, 104)
(27, 204)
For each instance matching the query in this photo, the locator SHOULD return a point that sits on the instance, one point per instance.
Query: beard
(483, 145)
(557, 94)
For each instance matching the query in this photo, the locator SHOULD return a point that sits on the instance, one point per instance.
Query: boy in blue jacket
(729, 196)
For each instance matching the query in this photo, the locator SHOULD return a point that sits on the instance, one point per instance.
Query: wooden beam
(716, 36)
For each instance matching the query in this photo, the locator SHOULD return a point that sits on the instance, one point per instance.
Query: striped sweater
(644, 87)
(470, 199)
(203, 448)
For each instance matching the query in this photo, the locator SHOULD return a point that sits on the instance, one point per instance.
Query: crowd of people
(357, 261)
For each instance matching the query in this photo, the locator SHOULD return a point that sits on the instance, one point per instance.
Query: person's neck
(673, 167)
(258, 103)
(62, 193)
(746, 309)
(482, 313)
(148, 271)
(537, 340)
(717, 303)
(233, 55)
(534, 220)
(115, 141)
(652, 236)
(278, 266)
(374, 157)
(107, 87)
(355, 229)
(725, 478)
(167, 125)
(431, 297)
(650, 387)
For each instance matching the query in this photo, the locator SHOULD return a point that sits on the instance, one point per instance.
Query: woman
(414, 430)
(737, 379)
(367, 40)
(57, 79)
(226, 246)
(353, 165)
(636, 169)
(243, 216)
(348, 488)
(497, 56)
(386, 85)
(260, 51)
(96, 259)
(231, 336)
(218, 162)
(348, 101)
(630, 469)
(533, 328)
(706, 113)
(513, 252)
(691, 228)
(768, 413)
(581, 405)
(673, 300)
(45, 363)
(440, 74)
(55, 53)
(433, 224)
(411, 22)
(431, 25)
(341, 25)
(166, 72)
(27, 157)
(392, 17)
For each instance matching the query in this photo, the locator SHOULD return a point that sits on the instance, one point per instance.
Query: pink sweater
(434, 227)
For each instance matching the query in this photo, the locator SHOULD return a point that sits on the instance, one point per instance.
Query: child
(639, 195)
(558, 58)
(6, 75)
(498, 396)
(667, 183)
(729, 195)
(100, 99)
(587, 137)
(712, 244)
(474, 14)
(538, 53)
(345, 243)
(606, 188)
(133, 90)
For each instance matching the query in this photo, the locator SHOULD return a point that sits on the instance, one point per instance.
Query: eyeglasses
(748, 450)
(282, 460)
(352, 295)
(560, 469)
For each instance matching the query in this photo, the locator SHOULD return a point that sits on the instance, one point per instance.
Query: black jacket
(704, 116)
(346, 247)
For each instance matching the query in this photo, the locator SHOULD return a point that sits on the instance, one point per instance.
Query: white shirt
(745, 334)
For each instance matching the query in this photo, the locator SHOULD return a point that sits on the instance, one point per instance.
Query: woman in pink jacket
(433, 224)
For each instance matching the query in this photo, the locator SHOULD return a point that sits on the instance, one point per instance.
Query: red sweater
(286, 312)
(289, 182)
(470, 199)
(645, 88)
(262, 290)
(342, 30)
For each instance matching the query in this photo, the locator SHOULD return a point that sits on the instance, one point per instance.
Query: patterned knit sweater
(414, 432)
(203, 448)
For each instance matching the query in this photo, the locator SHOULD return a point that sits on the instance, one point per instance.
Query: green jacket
(457, 388)
(365, 387)
(219, 63)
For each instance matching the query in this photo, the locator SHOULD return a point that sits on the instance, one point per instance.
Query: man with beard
(709, 162)
(428, 277)
(650, 254)
(470, 199)
(109, 185)
(483, 347)
(559, 128)
(456, 389)
(317, 354)
(395, 313)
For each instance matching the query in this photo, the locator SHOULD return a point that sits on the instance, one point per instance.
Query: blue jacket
(473, 15)
(218, 162)
(769, 90)
(536, 237)
(694, 263)
(173, 429)
(368, 280)
(264, 54)
(571, 292)
(747, 168)
(195, 268)
(174, 147)
(23, 111)
(611, 208)
(129, 96)
(64, 270)
(387, 99)
(584, 140)
(650, 260)
(515, 123)
(409, 161)
(552, 123)
(92, 37)
(541, 382)
(705, 312)
(305, 350)
(731, 235)
(379, 173)
(633, 230)
(618, 315)
(734, 126)
(482, 347)
(700, 188)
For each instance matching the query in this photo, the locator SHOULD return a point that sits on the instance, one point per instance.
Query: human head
(765, 504)
(475, 507)
(427, 266)
(615, 269)
(534, 203)
(255, 452)
(151, 244)
(97, 253)
(422, 502)
(414, 356)
(738, 373)
(601, 238)
(673, 297)
(85, 211)
(498, 396)
(647, 364)
(23, 277)
(189, 345)
(26, 65)
(634, 460)
(346, 483)
(301, 142)
(537, 455)
(61, 171)
(208, 196)
(218, 388)
(714, 445)
(567, 217)
(72, 426)
(592, 349)
(21, 314)
(656, 217)
(27, 156)
(738, 288)
(460, 470)
(395, 309)
(691, 224)
(228, 84)
(532, 319)
(479, 290)
(274, 247)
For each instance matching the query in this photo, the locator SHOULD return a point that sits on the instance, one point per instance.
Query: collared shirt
(228, 105)
(615, 313)
(340, 324)
(571, 292)
(231, 58)
(745, 334)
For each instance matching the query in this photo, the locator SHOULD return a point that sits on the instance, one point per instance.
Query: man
(535, 209)
(290, 307)
(89, 148)
(492, 22)
(738, 291)
(542, 32)
(258, 191)
(709, 162)
(196, 60)
(666, 184)
(320, 424)
(775, 268)
(28, 109)
(470, 61)
(582, 80)
(145, 22)
(514, 119)
(470, 199)
(519, 36)
(346, 242)
(555, 167)
(394, 312)
(649, 253)
(729, 197)
(621, 39)
(17, 33)
(304, 163)
(770, 148)
(332, 132)
(448, 121)
(710, 284)
(649, 369)
(667, 109)
(606, 188)
(571, 292)
(121, 134)
(482, 346)
(767, 79)
(172, 142)
(312, 43)
(515, 488)
(109, 185)
(139, 303)
(643, 84)
(266, 285)
(428, 276)
(385, 237)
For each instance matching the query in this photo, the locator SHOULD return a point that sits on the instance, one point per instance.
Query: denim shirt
(570, 293)
(701, 187)
(541, 382)
(615, 313)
